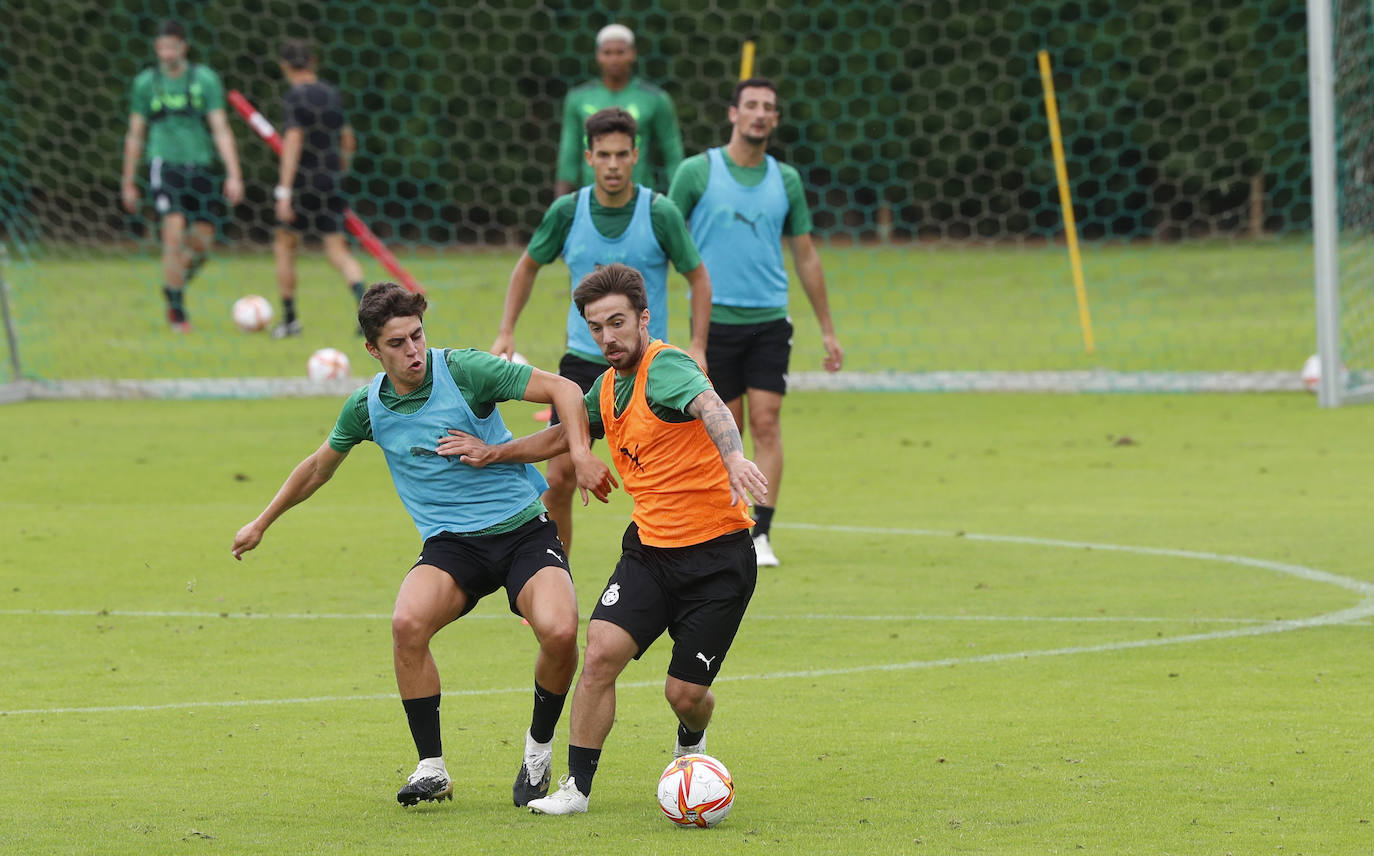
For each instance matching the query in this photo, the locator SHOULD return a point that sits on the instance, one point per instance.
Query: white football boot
(566, 800)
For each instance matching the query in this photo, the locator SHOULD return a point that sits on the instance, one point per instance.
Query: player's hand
(233, 190)
(504, 346)
(466, 448)
(285, 213)
(247, 538)
(128, 194)
(834, 354)
(593, 475)
(745, 480)
(698, 353)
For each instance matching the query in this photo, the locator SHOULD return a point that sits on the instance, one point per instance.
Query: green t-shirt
(689, 185)
(484, 380)
(180, 136)
(669, 228)
(674, 381)
(659, 135)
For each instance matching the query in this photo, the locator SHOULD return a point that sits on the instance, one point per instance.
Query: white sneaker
(765, 552)
(566, 800)
(429, 783)
(532, 782)
(288, 328)
(695, 749)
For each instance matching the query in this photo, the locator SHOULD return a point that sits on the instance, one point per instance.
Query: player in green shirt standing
(741, 202)
(172, 105)
(614, 220)
(651, 107)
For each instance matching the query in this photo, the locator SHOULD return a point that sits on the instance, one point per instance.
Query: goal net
(920, 131)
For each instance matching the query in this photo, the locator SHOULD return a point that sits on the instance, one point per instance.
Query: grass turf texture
(1209, 306)
(888, 693)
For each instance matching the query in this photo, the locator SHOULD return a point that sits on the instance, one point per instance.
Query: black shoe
(525, 790)
(425, 785)
(178, 320)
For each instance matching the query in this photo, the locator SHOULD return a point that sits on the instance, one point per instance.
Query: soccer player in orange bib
(687, 562)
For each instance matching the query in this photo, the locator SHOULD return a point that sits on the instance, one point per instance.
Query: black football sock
(175, 307)
(688, 738)
(423, 715)
(763, 519)
(582, 767)
(547, 708)
(358, 290)
(288, 309)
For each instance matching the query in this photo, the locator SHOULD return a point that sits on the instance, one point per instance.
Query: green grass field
(1004, 625)
(1206, 306)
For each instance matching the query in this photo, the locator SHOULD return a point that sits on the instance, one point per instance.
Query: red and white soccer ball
(696, 790)
(1312, 373)
(252, 313)
(327, 364)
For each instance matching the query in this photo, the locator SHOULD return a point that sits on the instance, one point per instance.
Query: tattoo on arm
(720, 425)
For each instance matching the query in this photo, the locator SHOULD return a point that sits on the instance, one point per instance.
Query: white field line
(1357, 613)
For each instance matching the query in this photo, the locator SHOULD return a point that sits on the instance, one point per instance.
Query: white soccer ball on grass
(696, 790)
(327, 364)
(252, 313)
(1312, 373)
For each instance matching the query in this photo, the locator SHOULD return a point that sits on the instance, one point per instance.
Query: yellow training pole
(746, 61)
(1066, 203)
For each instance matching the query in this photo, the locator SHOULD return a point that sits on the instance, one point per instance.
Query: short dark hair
(612, 120)
(614, 278)
(171, 27)
(760, 82)
(297, 53)
(384, 301)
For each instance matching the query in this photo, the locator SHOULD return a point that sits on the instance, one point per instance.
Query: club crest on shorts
(612, 595)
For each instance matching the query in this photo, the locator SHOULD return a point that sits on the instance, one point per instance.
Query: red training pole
(352, 222)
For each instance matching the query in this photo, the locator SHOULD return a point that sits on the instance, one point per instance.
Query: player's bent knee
(560, 638)
(600, 666)
(684, 698)
(409, 630)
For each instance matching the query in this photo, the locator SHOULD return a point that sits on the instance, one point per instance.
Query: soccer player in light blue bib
(483, 528)
(611, 221)
(740, 202)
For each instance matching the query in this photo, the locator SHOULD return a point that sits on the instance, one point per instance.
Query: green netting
(919, 130)
(1353, 55)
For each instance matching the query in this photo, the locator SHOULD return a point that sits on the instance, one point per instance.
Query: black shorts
(749, 356)
(697, 593)
(318, 204)
(186, 189)
(581, 372)
(481, 564)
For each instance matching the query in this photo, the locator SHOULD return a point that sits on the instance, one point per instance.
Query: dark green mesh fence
(919, 130)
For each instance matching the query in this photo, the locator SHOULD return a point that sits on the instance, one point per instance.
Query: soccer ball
(518, 358)
(696, 790)
(252, 313)
(1312, 373)
(327, 364)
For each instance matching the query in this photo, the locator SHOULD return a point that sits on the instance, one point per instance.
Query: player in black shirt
(316, 148)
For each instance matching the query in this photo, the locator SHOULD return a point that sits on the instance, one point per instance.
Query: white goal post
(1340, 36)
